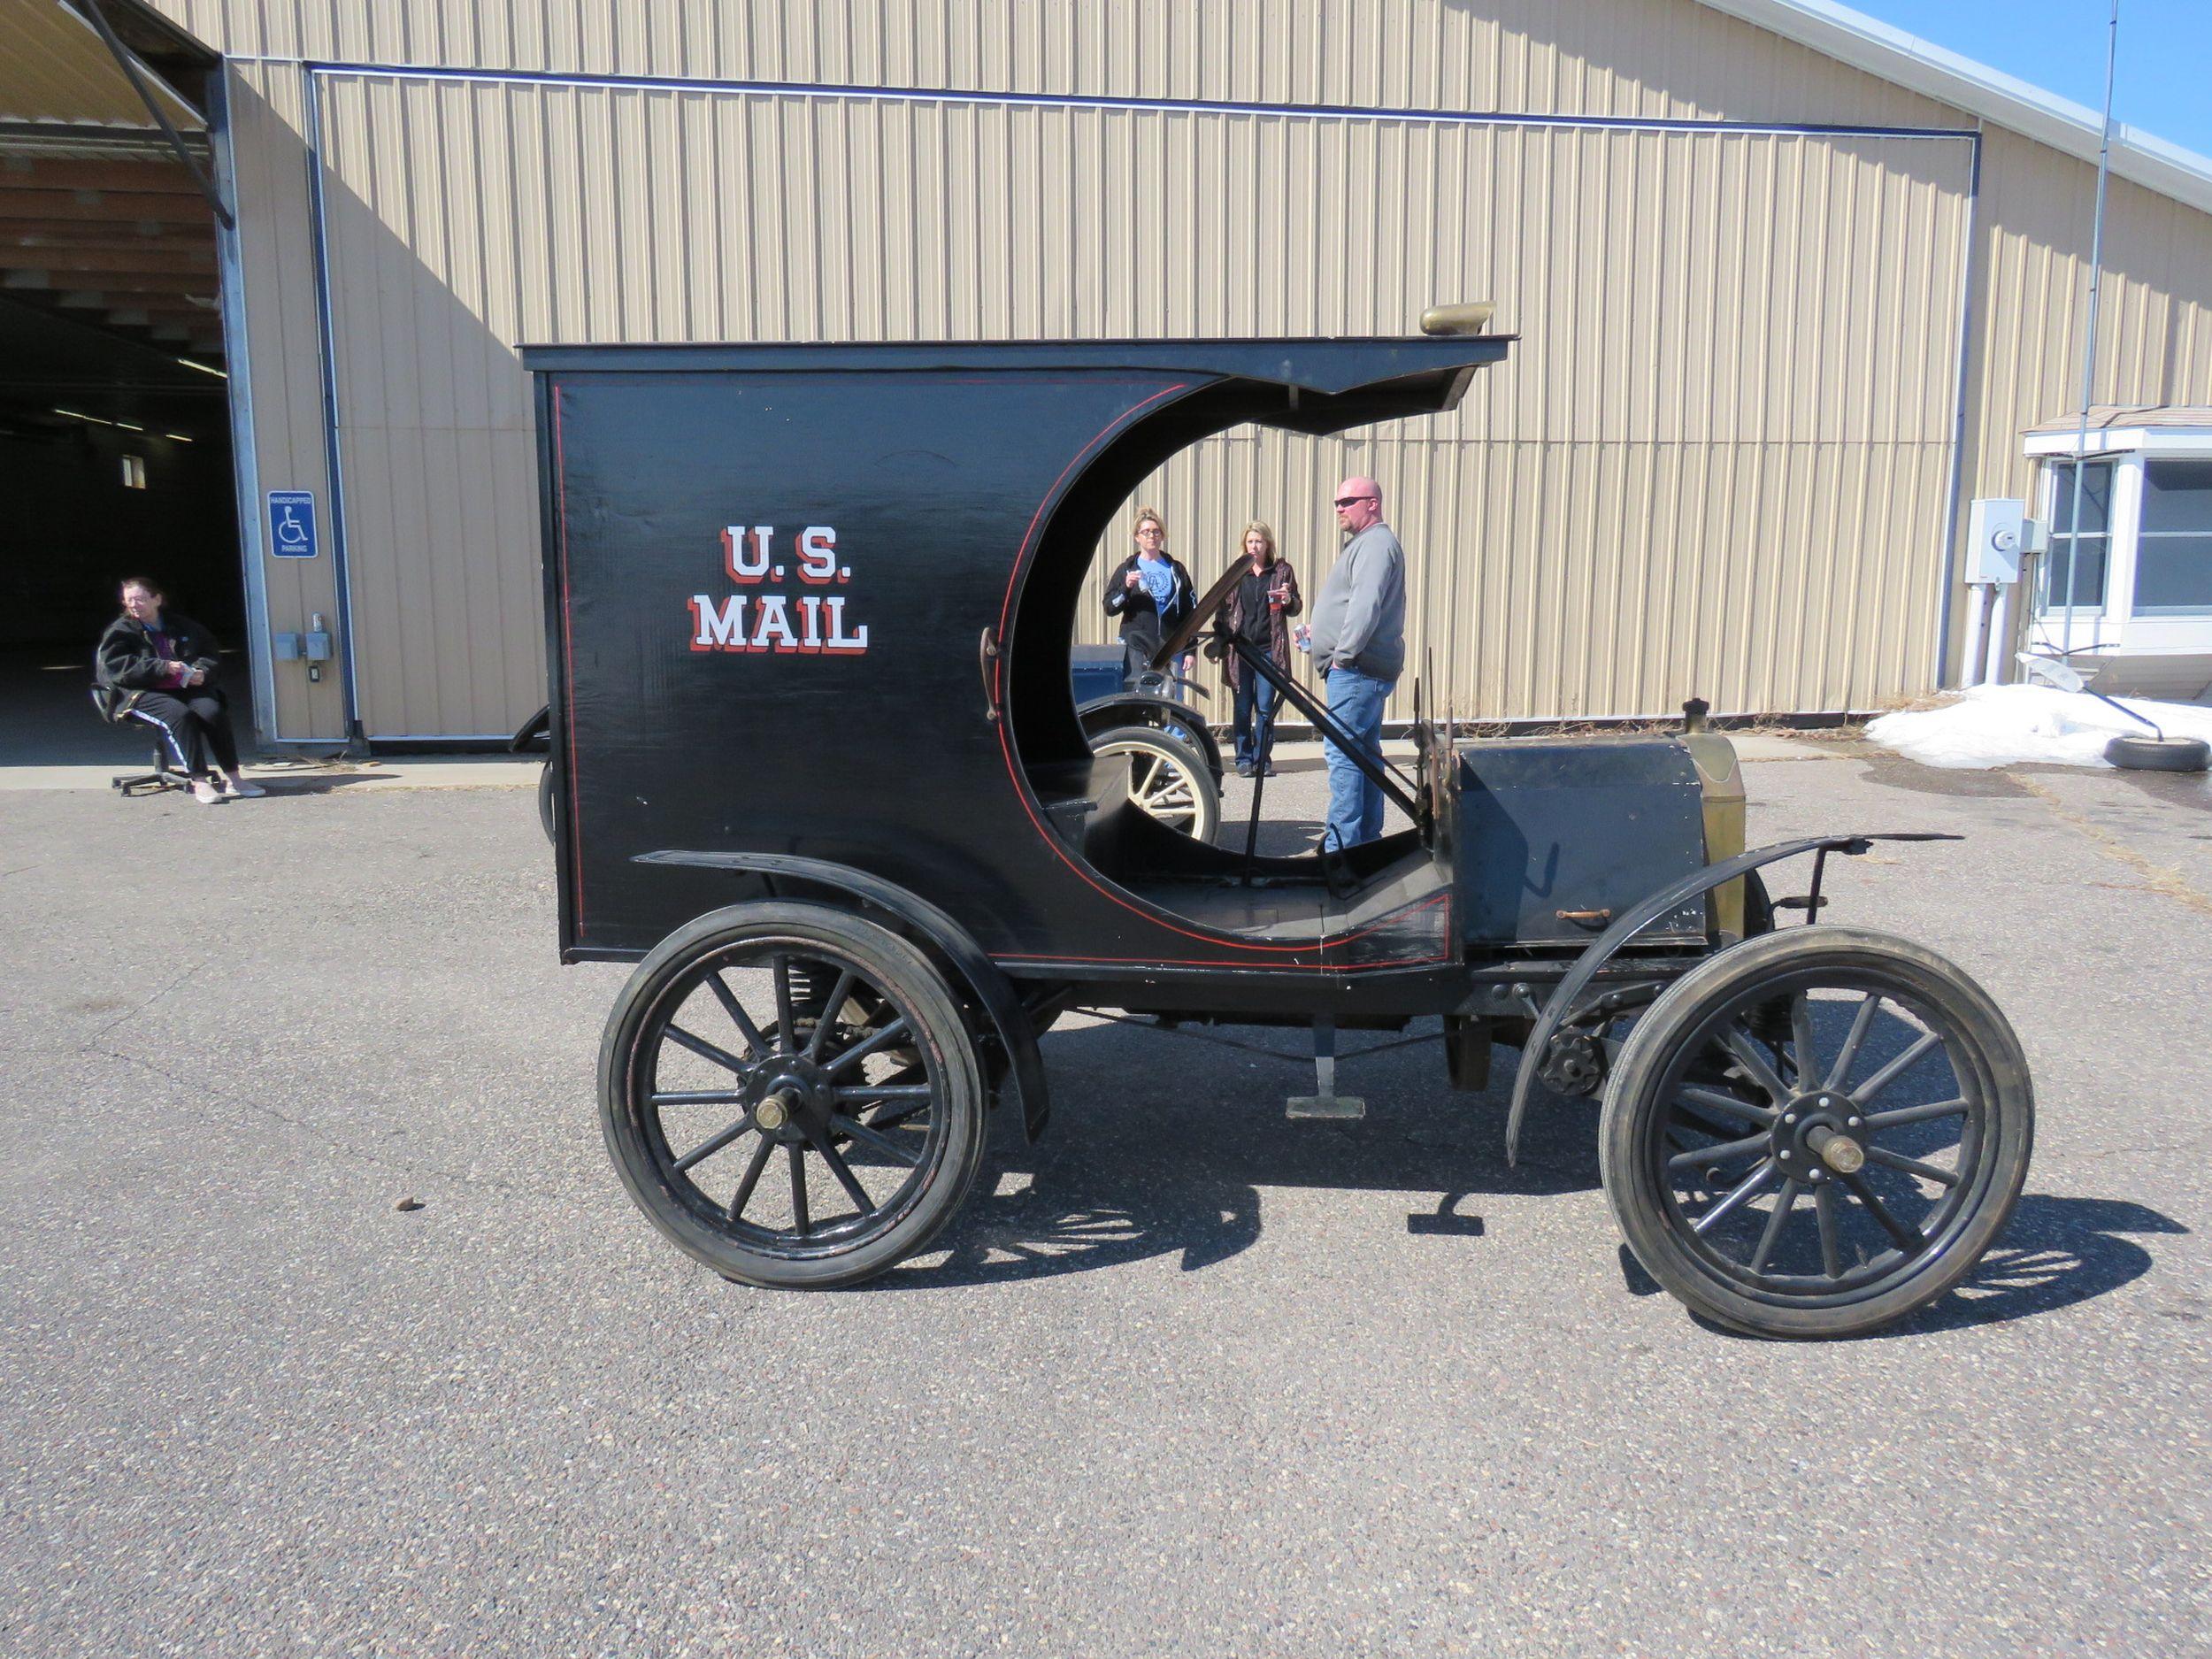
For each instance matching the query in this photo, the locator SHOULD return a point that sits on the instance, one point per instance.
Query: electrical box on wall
(1996, 534)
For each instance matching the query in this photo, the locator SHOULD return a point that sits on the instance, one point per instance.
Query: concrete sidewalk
(409, 772)
(520, 772)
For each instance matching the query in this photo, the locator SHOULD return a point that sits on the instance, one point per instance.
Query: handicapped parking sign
(292, 523)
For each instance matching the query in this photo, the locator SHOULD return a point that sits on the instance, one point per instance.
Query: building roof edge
(2003, 100)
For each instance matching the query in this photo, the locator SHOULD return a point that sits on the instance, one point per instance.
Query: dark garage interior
(115, 441)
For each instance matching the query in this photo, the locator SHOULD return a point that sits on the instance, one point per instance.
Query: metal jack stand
(1325, 1101)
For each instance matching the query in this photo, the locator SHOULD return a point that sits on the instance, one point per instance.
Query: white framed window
(2173, 548)
(2142, 566)
(134, 472)
(2090, 562)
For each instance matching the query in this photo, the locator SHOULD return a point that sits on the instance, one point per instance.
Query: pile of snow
(2004, 725)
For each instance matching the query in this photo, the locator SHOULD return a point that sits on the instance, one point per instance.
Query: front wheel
(1816, 1132)
(1167, 777)
(790, 1095)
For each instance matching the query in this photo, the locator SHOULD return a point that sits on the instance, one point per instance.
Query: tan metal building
(1790, 289)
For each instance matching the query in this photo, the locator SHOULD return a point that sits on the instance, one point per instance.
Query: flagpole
(2089, 354)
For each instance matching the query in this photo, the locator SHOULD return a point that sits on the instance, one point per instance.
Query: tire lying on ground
(2158, 753)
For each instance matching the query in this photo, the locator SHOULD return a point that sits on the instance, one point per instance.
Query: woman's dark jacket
(1278, 575)
(128, 666)
(1143, 626)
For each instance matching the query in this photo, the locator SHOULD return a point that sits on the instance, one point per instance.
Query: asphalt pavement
(1188, 1378)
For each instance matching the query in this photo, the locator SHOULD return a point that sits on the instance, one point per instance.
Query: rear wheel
(1167, 777)
(1816, 1132)
(790, 1095)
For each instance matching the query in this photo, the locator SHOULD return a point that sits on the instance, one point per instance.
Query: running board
(1325, 1101)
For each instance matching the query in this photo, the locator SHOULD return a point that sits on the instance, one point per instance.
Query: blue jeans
(1254, 724)
(1355, 802)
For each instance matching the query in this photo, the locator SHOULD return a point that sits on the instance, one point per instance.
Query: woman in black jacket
(159, 666)
(1151, 593)
(1258, 612)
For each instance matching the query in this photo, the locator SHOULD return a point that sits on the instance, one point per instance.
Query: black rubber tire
(1193, 806)
(2158, 753)
(1646, 1109)
(1191, 731)
(549, 791)
(893, 975)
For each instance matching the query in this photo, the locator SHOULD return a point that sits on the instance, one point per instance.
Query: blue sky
(2163, 81)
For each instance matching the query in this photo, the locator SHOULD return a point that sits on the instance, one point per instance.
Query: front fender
(1127, 707)
(539, 725)
(967, 958)
(1608, 944)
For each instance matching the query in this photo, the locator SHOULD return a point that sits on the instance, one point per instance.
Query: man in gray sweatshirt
(1359, 647)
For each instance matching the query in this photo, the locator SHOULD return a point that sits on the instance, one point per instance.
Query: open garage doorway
(115, 423)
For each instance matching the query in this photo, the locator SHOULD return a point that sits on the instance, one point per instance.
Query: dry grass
(1917, 704)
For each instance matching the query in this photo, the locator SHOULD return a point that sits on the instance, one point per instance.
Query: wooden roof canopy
(127, 245)
(102, 222)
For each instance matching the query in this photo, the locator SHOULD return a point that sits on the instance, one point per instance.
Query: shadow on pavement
(2056, 1253)
(1120, 1178)
(315, 784)
(1124, 1175)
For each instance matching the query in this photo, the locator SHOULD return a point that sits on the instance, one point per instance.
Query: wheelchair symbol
(291, 525)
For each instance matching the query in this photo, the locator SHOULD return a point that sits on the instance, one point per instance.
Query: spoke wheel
(1816, 1132)
(791, 1096)
(1167, 777)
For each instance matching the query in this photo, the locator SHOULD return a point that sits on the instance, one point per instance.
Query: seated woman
(158, 668)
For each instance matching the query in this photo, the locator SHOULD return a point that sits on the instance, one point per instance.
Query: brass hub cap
(773, 1112)
(1840, 1153)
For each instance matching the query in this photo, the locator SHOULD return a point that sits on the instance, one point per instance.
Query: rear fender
(964, 959)
(1606, 945)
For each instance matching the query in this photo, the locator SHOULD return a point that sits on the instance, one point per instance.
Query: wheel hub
(789, 1098)
(775, 1111)
(1820, 1135)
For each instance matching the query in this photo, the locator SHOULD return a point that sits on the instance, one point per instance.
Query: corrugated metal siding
(1750, 453)
(2155, 326)
(1713, 468)
(1717, 329)
(2154, 318)
(276, 266)
(1623, 57)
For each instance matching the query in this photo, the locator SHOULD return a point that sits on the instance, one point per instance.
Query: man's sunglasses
(1354, 500)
